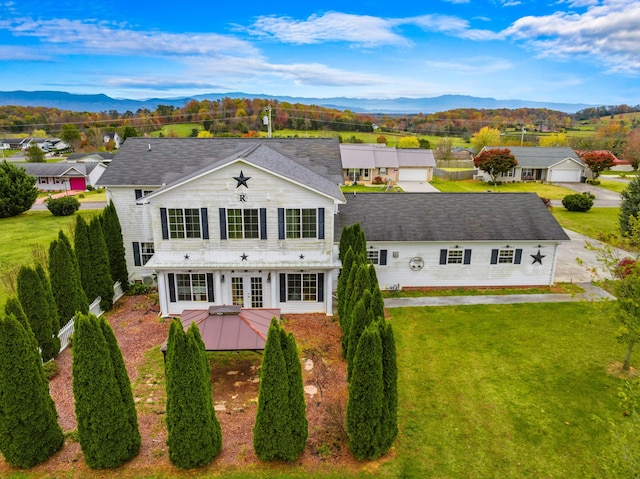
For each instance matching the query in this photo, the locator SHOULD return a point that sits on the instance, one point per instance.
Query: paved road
(603, 197)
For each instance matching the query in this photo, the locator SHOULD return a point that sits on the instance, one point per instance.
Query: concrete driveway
(577, 263)
(603, 197)
(417, 187)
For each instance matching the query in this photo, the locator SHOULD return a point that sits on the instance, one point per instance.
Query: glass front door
(247, 291)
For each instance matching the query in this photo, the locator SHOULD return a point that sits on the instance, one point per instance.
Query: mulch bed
(139, 330)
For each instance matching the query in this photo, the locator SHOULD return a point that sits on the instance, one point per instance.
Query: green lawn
(21, 234)
(503, 391)
(596, 223)
(613, 185)
(542, 189)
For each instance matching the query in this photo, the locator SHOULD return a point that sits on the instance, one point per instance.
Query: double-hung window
(301, 223)
(180, 223)
(307, 287)
(184, 223)
(191, 287)
(243, 223)
(506, 256)
(373, 256)
(455, 256)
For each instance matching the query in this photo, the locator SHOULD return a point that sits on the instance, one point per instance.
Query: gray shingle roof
(449, 217)
(540, 157)
(157, 161)
(54, 169)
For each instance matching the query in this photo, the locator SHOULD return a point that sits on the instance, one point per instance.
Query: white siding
(478, 273)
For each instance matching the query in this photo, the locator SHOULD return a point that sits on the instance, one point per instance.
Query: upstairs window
(184, 223)
(301, 223)
(243, 223)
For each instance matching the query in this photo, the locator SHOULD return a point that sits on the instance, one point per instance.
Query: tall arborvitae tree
(298, 424)
(366, 396)
(389, 421)
(115, 245)
(82, 248)
(101, 274)
(346, 308)
(13, 307)
(42, 319)
(106, 435)
(48, 296)
(377, 301)
(346, 241)
(359, 240)
(29, 430)
(343, 279)
(65, 281)
(124, 384)
(361, 318)
(272, 419)
(194, 436)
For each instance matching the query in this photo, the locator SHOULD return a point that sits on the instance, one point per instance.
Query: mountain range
(101, 102)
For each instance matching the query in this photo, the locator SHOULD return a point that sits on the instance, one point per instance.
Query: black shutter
(443, 256)
(283, 288)
(382, 261)
(204, 219)
(281, 223)
(138, 194)
(223, 223)
(172, 287)
(494, 256)
(137, 260)
(320, 287)
(467, 256)
(210, 288)
(518, 258)
(165, 223)
(320, 223)
(263, 223)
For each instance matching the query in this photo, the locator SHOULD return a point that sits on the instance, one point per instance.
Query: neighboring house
(256, 223)
(112, 135)
(63, 176)
(94, 156)
(616, 161)
(536, 163)
(364, 163)
(11, 143)
(415, 164)
(456, 239)
(45, 144)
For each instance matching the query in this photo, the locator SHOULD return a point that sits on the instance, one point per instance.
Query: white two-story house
(256, 223)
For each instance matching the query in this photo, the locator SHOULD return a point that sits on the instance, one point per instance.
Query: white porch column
(328, 288)
(163, 295)
(274, 289)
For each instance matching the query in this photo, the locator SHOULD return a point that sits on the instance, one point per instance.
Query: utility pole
(266, 120)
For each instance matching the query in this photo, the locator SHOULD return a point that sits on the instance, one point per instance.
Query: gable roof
(158, 161)
(450, 217)
(540, 157)
(54, 169)
(380, 156)
(91, 156)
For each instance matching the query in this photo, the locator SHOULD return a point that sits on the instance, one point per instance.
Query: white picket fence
(66, 331)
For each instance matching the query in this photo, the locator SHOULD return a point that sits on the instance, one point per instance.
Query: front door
(247, 291)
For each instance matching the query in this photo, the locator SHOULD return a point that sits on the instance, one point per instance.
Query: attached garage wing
(413, 174)
(565, 176)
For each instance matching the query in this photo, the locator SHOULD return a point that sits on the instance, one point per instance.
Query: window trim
(465, 258)
(295, 287)
(174, 295)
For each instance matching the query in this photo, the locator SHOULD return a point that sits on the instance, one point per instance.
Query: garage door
(413, 174)
(561, 176)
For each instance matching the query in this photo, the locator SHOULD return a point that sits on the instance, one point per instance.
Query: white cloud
(472, 66)
(361, 30)
(609, 33)
(102, 38)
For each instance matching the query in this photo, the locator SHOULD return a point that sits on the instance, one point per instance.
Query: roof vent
(149, 146)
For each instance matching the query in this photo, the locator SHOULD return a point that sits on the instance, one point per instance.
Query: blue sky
(580, 51)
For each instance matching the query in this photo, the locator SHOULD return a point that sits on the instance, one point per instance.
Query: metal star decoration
(301, 256)
(186, 256)
(537, 258)
(244, 257)
(242, 180)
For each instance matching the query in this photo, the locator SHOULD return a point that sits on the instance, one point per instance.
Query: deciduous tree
(627, 309)
(35, 154)
(17, 190)
(629, 206)
(486, 136)
(495, 161)
(597, 161)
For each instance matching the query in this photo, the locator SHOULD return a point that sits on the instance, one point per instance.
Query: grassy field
(596, 223)
(21, 234)
(504, 391)
(613, 185)
(543, 189)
